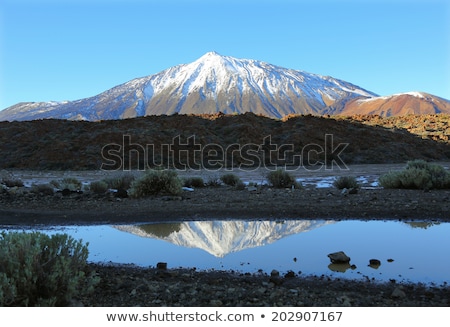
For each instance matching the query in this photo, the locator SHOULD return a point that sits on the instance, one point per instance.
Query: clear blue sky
(68, 50)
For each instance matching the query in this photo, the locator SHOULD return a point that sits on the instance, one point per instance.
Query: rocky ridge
(55, 144)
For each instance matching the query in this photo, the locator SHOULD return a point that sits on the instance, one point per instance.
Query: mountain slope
(417, 103)
(211, 84)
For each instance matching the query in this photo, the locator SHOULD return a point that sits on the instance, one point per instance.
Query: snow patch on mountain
(416, 94)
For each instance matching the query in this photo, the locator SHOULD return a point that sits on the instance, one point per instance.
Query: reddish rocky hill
(412, 103)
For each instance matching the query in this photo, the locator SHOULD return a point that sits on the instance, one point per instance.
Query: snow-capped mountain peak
(210, 84)
(214, 75)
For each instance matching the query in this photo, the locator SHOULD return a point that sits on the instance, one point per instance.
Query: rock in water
(339, 257)
(374, 263)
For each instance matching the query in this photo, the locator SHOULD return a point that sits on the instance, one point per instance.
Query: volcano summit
(211, 84)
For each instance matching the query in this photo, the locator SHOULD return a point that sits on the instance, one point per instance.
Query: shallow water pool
(413, 252)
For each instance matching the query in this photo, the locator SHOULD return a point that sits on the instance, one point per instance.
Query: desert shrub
(390, 180)
(282, 179)
(69, 183)
(98, 187)
(12, 182)
(347, 182)
(230, 179)
(440, 178)
(41, 270)
(417, 164)
(418, 174)
(408, 179)
(155, 182)
(213, 181)
(44, 189)
(193, 182)
(240, 185)
(122, 181)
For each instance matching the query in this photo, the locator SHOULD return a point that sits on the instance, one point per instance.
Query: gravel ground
(226, 203)
(128, 286)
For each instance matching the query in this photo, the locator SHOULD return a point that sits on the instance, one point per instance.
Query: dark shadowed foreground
(127, 286)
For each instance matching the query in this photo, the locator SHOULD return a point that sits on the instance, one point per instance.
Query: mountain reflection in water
(410, 251)
(221, 238)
